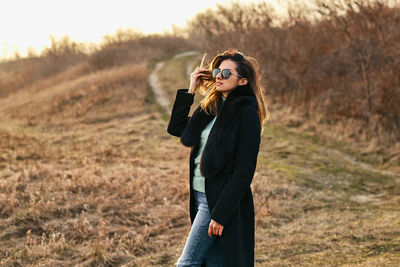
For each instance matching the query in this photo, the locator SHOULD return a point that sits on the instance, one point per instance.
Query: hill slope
(318, 200)
(91, 177)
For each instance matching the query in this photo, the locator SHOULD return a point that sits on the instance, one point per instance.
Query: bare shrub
(128, 46)
(229, 25)
(336, 59)
(122, 47)
(60, 55)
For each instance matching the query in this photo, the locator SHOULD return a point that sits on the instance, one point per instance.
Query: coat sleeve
(180, 110)
(244, 165)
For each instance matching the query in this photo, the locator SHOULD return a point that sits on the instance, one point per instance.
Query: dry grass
(90, 177)
(82, 172)
(175, 75)
(321, 198)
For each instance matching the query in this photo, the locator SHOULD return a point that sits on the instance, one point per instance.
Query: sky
(28, 24)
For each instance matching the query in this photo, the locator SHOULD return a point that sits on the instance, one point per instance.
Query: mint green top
(198, 178)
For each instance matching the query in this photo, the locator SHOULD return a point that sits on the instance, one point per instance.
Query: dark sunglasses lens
(225, 74)
(215, 72)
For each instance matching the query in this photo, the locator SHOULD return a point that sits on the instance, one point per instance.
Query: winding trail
(360, 164)
(160, 96)
(155, 84)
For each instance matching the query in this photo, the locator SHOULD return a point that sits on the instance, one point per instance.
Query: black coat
(228, 163)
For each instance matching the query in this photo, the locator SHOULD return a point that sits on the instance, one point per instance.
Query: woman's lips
(218, 83)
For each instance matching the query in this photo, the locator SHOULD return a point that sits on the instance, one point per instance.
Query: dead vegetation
(90, 177)
(318, 200)
(335, 61)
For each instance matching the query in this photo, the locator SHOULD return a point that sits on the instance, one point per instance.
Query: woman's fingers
(199, 70)
(195, 78)
(215, 228)
(220, 231)
(202, 69)
(209, 231)
(216, 231)
(197, 74)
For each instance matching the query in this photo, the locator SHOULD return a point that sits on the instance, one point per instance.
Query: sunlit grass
(97, 181)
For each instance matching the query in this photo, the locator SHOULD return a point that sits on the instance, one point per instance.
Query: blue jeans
(199, 246)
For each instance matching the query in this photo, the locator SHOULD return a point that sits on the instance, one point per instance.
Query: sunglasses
(225, 73)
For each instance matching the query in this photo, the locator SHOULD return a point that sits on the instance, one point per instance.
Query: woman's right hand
(195, 78)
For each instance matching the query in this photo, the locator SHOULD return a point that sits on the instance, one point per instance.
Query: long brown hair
(247, 67)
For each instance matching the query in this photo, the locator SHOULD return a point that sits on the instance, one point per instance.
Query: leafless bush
(127, 46)
(122, 36)
(338, 58)
(60, 55)
(229, 25)
(122, 47)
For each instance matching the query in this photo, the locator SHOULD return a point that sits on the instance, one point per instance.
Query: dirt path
(362, 165)
(156, 85)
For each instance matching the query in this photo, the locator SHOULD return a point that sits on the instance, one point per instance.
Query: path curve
(155, 84)
(362, 165)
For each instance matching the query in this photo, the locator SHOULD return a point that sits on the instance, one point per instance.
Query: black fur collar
(222, 137)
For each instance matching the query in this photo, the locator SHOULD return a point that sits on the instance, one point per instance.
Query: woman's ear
(243, 81)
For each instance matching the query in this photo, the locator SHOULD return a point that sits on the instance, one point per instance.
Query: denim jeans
(199, 246)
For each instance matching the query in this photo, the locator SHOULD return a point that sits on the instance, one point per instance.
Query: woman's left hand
(215, 228)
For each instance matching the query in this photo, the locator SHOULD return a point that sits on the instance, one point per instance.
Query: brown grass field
(90, 177)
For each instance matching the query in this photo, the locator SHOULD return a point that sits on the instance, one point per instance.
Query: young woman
(224, 135)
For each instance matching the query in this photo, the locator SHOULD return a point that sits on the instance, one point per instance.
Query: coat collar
(242, 90)
(237, 95)
(226, 113)
(222, 136)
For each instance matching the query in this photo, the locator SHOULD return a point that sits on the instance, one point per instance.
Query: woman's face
(225, 86)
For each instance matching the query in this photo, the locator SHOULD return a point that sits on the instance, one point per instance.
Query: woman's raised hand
(195, 78)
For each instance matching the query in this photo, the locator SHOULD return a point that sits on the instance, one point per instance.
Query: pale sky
(29, 23)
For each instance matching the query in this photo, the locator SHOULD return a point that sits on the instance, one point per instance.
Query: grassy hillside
(86, 173)
(319, 200)
(90, 177)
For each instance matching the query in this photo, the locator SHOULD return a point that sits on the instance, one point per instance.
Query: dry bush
(62, 54)
(126, 46)
(121, 48)
(229, 25)
(363, 67)
(335, 62)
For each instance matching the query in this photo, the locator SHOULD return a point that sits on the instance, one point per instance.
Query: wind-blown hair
(247, 67)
